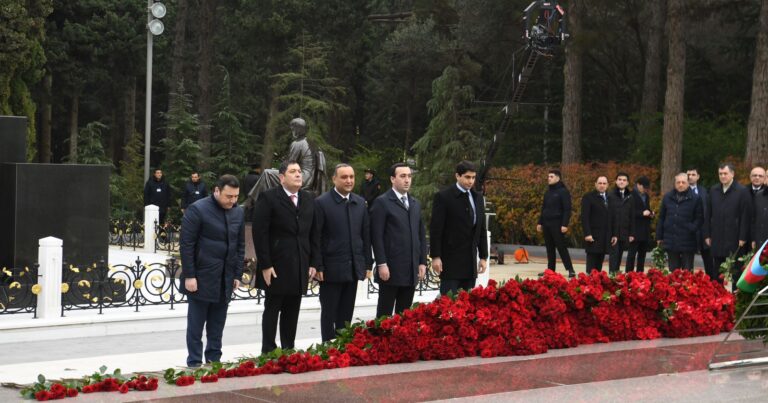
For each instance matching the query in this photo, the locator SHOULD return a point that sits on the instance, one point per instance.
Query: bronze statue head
(298, 128)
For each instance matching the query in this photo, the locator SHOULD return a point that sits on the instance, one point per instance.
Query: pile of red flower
(100, 381)
(516, 318)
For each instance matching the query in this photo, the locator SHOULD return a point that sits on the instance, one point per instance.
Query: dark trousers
(454, 286)
(394, 297)
(636, 249)
(680, 260)
(709, 265)
(337, 303)
(554, 240)
(617, 252)
(595, 261)
(212, 316)
(286, 307)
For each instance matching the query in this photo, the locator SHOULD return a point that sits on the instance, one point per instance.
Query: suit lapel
(398, 202)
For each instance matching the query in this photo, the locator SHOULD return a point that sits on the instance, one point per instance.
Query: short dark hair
(227, 180)
(284, 166)
(336, 168)
(692, 169)
(728, 166)
(624, 174)
(643, 180)
(194, 172)
(394, 167)
(555, 172)
(464, 167)
(157, 169)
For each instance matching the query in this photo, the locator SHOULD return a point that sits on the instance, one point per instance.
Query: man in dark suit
(457, 233)
(399, 243)
(643, 216)
(286, 253)
(341, 220)
(596, 221)
(623, 208)
(728, 225)
(757, 177)
(680, 220)
(702, 247)
(212, 253)
(553, 221)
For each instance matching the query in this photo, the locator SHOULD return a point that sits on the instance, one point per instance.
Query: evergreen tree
(233, 146)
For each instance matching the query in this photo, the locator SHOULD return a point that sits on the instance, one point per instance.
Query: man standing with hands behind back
(212, 253)
(457, 233)
(286, 253)
(341, 220)
(399, 243)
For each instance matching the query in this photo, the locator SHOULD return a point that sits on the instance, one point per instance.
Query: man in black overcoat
(457, 233)
(728, 225)
(287, 252)
(341, 220)
(702, 247)
(553, 221)
(212, 253)
(623, 207)
(596, 221)
(399, 243)
(680, 219)
(158, 192)
(643, 216)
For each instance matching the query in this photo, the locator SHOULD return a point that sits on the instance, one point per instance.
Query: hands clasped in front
(270, 273)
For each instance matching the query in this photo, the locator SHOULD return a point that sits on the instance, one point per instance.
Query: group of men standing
(334, 238)
(726, 221)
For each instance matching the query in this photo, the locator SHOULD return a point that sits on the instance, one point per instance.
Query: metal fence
(19, 290)
(129, 234)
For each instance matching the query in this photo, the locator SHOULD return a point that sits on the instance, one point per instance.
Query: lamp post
(155, 11)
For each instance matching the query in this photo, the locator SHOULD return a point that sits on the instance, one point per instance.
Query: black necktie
(605, 200)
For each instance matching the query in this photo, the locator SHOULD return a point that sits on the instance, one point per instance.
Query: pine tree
(233, 146)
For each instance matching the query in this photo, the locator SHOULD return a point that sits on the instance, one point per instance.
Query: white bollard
(482, 279)
(151, 215)
(49, 257)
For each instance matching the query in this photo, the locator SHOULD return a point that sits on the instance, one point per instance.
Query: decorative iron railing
(19, 290)
(431, 282)
(130, 234)
(102, 286)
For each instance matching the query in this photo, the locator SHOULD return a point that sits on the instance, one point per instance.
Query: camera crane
(542, 37)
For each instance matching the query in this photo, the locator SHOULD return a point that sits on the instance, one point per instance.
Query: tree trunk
(44, 145)
(409, 117)
(129, 122)
(269, 133)
(207, 17)
(649, 105)
(757, 128)
(672, 143)
(74, 111)
(179, 42)
(572, 89)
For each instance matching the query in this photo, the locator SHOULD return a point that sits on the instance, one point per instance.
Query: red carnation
(42, 395)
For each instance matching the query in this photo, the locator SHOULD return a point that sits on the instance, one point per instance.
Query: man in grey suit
(399, 243)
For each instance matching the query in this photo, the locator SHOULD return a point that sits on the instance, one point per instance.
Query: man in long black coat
(760, 219)
(643, 216)
(399, 243)
(554, 219)
(623, 207)
(194, 190)
(286, 253)
(702, 247)
(680, 220)
(596, 221)
(457, 233)
(728, 225)
(158, 193)
(341, 220)
(212, 253)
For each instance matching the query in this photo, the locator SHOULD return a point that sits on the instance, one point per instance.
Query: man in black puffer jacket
(554, 219)
(680, 220)
(212, 255)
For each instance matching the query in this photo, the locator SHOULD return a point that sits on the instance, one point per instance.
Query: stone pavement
(628, 371)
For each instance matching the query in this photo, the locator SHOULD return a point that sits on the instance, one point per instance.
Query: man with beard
(553, 221)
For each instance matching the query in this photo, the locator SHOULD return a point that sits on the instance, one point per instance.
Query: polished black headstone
(70, 202)
(13, 139)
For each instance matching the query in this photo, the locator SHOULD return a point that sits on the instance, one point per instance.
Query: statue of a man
(301, 152)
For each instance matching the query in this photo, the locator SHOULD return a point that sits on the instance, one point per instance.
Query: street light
(154, 27)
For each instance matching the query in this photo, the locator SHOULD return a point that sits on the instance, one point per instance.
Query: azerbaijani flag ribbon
(753, 272)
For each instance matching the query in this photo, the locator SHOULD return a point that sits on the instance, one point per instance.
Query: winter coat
(728, 219)
(556, 207)
(623, 211)
(596, 220)
(642, 223)
(680, 221)
(193, 192)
